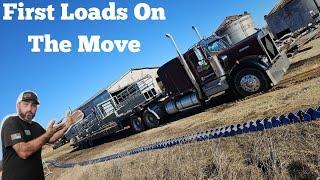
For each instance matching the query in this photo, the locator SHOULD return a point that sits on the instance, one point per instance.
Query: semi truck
(207, 70)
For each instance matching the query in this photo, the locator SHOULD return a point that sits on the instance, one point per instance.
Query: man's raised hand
(53, 128)
(73, 117)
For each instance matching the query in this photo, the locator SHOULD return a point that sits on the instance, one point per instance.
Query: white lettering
(89, 46)
(134, 46)
(65, 46)
(143, 11)
(107, 46)
(146, 11)
(27, 13)
(93, 13)
(64, 12)
(93, 44)
(50, 45)
(35, 42)
(8, 10)
(81, 14)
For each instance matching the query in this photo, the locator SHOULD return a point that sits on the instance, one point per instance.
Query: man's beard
(26, 117)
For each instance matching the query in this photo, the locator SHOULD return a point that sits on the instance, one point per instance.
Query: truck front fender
(249, 62)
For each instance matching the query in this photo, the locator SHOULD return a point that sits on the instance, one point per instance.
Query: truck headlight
(265, 60)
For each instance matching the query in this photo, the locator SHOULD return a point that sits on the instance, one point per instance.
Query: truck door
(199, 65)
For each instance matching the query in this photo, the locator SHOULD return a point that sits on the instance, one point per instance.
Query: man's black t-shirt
(15, 130)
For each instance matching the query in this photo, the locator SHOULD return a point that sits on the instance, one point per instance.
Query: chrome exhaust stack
(198, 33)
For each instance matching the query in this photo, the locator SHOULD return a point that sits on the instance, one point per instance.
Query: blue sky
(64, 80)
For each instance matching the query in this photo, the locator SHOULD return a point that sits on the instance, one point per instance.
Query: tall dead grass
(290, 152)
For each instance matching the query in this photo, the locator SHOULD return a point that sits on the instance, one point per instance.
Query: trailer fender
(154, 113)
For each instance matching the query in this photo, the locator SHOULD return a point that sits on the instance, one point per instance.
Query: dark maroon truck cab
(249, 66)
(245, 48)
(174, 78)
(249, 48)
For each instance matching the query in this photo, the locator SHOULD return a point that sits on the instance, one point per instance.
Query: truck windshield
(216, 46)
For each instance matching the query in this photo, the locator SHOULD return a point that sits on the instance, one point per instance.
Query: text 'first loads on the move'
(45, 43)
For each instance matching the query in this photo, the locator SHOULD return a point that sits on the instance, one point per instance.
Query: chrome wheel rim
(250, 83)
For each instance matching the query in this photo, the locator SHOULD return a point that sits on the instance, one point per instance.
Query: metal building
(134, 75)
(290, 15)
(236, 28)
(102, 110)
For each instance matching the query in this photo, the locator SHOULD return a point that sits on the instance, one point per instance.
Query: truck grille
(270, 47)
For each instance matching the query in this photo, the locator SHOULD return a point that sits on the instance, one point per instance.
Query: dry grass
(310, 53)
(284, 153)
(290, 152)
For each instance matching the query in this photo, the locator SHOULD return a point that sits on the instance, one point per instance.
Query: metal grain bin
(236, 28)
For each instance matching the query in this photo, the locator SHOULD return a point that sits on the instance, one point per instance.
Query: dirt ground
(299, 89)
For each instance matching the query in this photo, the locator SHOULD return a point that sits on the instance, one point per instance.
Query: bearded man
(22, 139)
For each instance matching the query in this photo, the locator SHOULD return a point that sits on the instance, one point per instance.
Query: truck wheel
(249, 81)
(150, 120)
(136, 124)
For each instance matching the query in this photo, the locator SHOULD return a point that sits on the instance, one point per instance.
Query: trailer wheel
(136, 124)
(150, 120)
(249, 81)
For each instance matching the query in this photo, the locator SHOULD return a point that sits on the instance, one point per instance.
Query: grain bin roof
(280, 5)
(230, 19)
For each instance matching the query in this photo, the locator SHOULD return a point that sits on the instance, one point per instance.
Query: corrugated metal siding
(292, 16)
(132, 76)
(311, 5)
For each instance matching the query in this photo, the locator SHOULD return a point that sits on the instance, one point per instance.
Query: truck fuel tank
(182, 103)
